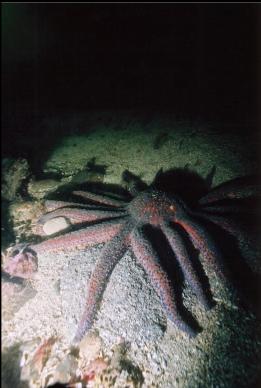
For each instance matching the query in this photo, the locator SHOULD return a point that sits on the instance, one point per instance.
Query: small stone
(55, 225)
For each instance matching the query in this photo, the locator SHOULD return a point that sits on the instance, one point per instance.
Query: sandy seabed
(131, 324)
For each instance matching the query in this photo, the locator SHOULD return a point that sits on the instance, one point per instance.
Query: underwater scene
(130, 233)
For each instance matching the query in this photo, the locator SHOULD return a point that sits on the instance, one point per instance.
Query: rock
(92, 173)
(25, 210)
(39, 189)
(24, 216)
(14, 173)
(10, 367)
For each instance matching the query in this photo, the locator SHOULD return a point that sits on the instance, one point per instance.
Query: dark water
(194, 61)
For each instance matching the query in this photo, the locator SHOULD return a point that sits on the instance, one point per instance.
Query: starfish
(130, 223)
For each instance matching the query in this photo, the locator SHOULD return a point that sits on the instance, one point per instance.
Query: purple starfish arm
(237, 188)
(110, 256)
(180, 250)
(81, 238)
(51, 205)
(203, 242)
(76, 215)
(147, 257)
(101, 199)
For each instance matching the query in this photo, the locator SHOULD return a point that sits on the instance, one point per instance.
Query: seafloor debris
(94, 369)
(22, 264)
(51, 364)
(66, 370)
(32, 365)
(120, 372)
(42, 353)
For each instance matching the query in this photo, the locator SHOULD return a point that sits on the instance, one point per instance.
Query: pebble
(55, 225)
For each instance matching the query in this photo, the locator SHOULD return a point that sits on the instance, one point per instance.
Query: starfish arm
(238, 188)
(81, 238)
(177, 244)
(100, 199)
(147, 257)
(122, 195)
(232, 227)
(76, 215)
(204, 243)
(51, 205)
(110, 256)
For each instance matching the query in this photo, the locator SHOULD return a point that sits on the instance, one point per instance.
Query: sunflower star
(130, 224)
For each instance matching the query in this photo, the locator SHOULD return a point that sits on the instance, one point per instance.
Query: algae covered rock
(14, 174)
(39, 189)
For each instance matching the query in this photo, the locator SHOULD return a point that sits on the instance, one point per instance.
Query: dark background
(193, 60)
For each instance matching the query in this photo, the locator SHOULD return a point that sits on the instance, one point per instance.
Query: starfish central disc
(151, 207)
